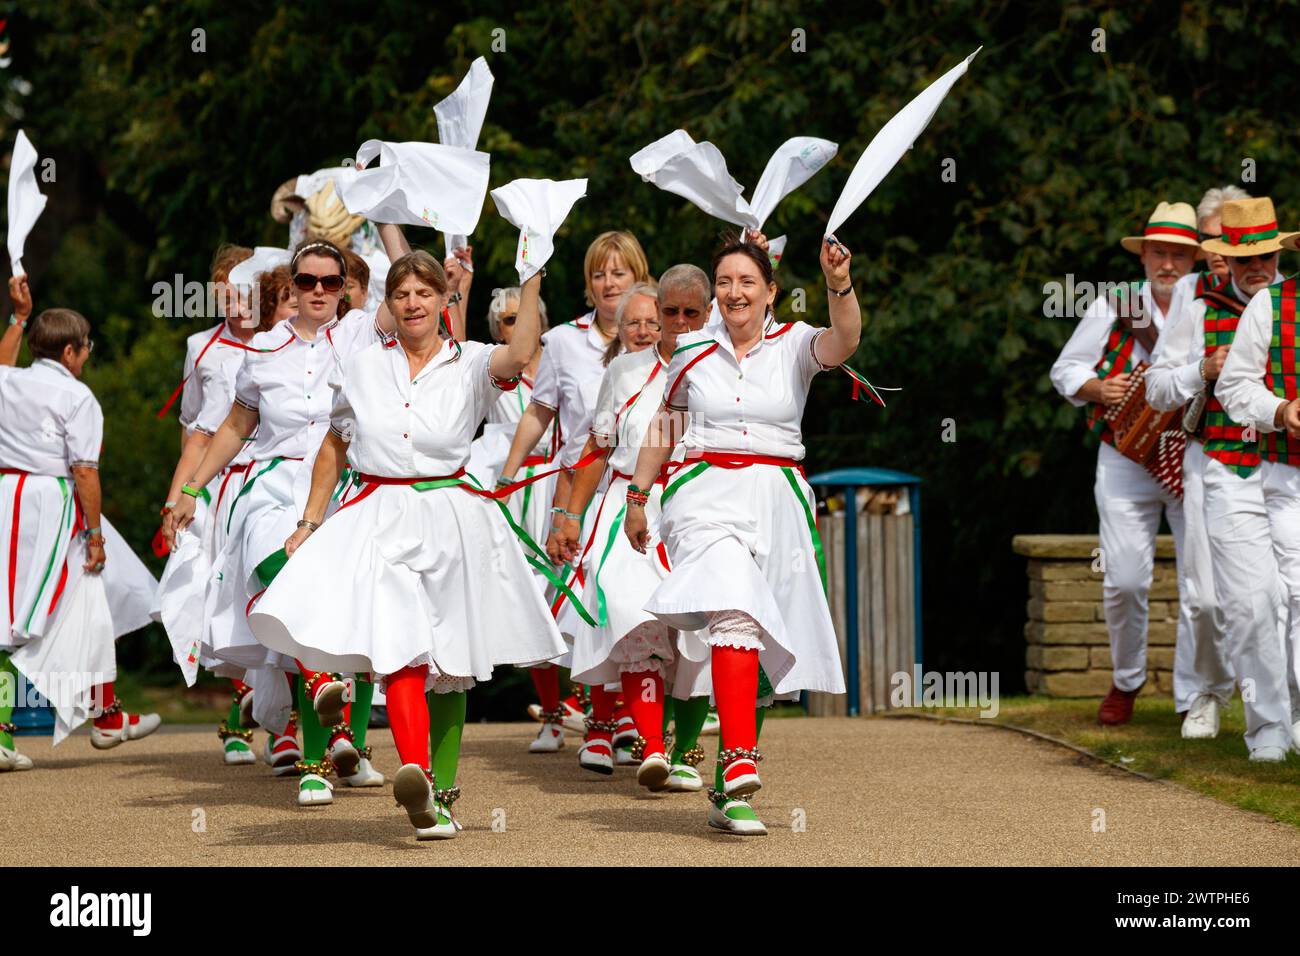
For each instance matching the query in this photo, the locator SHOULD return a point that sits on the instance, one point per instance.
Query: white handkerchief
(418, 184)
(889, 145)
(792, 165)
(694, 171)
(25, 199)
(460, 120)
(264, 259)
(309, 184)
(538, 207)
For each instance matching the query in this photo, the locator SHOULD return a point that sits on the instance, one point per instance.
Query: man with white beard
(1093, 369)
(1246, 580)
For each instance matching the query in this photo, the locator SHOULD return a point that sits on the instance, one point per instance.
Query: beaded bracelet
(91, 533)
(573, 516)
(635, 496)
(503, 481)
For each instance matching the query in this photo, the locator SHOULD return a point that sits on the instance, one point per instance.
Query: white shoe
(712, 725)
(596, 756)
(238, 752)
(107, 738)
(623, 757)
(735, 816)
(246, 711)
(366, 775)
(328, 702)
(1202, 720)
(741, 784)
(1268, 755)
(575, 721)
(282, 760)
(549, 739)
(653, 772)
(314, 797)
(13, 760)
(344, 756)
(535, 712)
(625, 734)
(414, 794)
(683, 778)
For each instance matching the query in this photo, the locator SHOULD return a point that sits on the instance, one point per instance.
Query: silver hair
(1211, 203)
(641, 288)
(685, 276)
(503, 297)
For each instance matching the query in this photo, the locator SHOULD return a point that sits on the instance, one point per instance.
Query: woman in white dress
(283, 397)
(430, 590)
(206, 393)
(629, 644)
(568, 381)
(738, 516)
(73, 585)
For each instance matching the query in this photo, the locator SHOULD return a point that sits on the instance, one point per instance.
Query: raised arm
(395, 246)
(838, 343)
(331, 458)
(20, 296)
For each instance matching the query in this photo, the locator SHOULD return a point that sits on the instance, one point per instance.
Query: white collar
(55, 365)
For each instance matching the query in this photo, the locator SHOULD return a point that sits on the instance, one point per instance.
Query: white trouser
(1282, 501)
(1249, 590)
(1201, 664)
(1129, 501)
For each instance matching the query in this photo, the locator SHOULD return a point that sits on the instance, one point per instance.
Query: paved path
(879, 791)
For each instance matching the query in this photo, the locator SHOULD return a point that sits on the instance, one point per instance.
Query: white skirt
(400, 578)
(619, 581)
(182, 591)
(42, 560)
(743, 539)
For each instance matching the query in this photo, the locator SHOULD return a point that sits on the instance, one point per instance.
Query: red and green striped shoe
(734, 815)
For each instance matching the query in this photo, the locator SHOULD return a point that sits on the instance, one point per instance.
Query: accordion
(1155, 440)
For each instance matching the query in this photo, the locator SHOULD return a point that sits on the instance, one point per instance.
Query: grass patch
(1151, 744)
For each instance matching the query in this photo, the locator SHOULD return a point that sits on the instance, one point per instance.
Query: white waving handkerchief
(263, 259)
(792, 165)
(889, 145)
(460, 120)
(694, 171)
(538, 207)
(418, 184)
(25, 200)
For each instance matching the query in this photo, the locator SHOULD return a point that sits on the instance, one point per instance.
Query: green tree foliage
(1060, 150)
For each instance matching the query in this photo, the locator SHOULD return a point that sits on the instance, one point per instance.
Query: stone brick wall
(1068, 653)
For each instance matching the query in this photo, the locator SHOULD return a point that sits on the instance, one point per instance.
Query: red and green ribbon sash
(176, 393)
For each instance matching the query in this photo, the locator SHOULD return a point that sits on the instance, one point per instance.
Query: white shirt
(509, 407)
(399, 428)
(1077, 363)
(1174, 378)
(49, 421)
(1241, 389)
(624, 427)
(752, 405)
(209, 376)
(568, 380)
(288, 385)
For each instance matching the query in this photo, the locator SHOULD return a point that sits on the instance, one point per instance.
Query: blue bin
(36, 716)
(848, 481)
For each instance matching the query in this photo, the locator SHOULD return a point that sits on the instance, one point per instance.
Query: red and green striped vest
(1224, 438)
(1280, 375)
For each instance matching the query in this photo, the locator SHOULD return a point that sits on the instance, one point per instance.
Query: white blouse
(636, 377)
(568, 380)
(286, 380)
(209, 375)
(49, 421)
(399, 428)
(752, 405)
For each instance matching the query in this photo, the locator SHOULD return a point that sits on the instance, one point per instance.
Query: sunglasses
(1263, 257)
(306, 282)
(508, 319)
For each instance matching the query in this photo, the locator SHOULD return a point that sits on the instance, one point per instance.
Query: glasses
(650, 325)
(90, 346)
(306, 282)
(1262, 257)
(508, 319)
(1209, 235)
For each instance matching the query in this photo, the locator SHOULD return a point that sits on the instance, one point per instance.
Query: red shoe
(1117, 708)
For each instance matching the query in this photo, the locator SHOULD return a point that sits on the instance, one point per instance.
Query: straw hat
(1249, 229)
(1171, 222)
